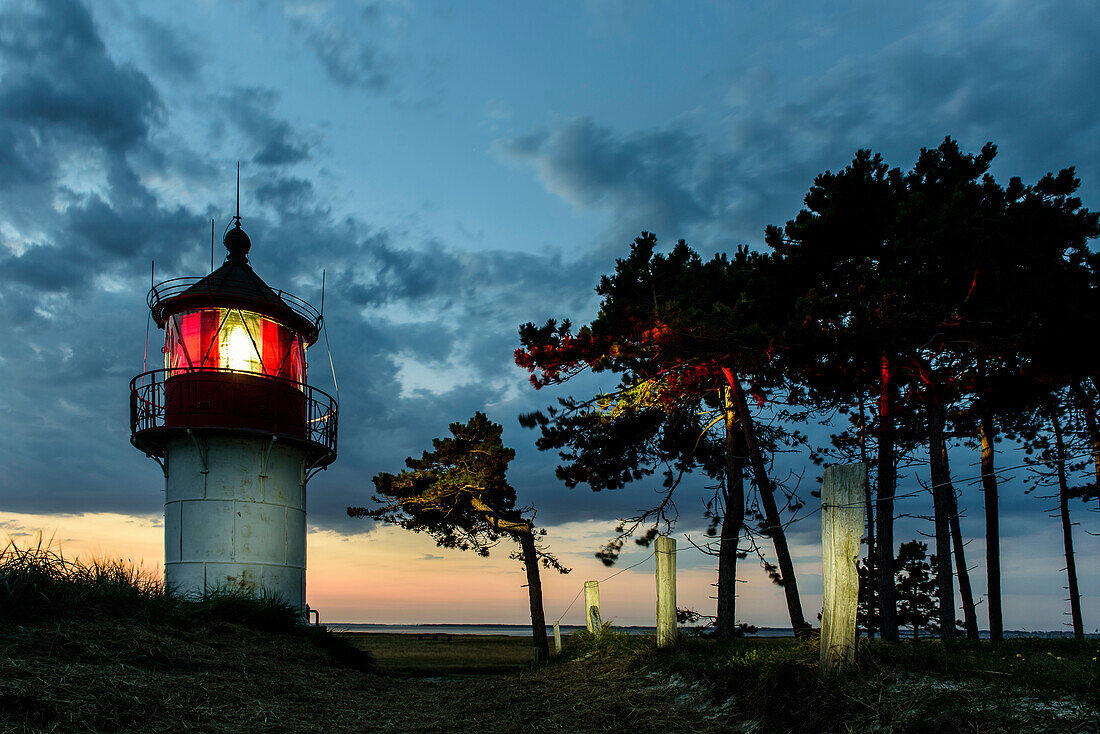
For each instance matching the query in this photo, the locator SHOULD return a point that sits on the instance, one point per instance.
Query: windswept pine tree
(459, 495)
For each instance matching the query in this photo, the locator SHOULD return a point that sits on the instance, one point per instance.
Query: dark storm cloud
(59, 78)
(129, 233)
(274, 140)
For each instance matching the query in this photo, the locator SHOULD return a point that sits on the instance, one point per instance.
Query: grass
(38, 586)
(101, 646)
(774, 684)
(460, 655)
(38, 583)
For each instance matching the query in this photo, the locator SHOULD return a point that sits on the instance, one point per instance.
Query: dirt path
(131, 678)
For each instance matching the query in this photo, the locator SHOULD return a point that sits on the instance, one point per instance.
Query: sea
(520, 630)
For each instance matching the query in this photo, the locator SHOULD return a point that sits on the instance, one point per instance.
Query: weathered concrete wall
(235, 516)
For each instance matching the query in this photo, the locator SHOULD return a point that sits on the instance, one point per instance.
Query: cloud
(59, 79)
(348, 58)
(285, 194)
(274, 141)
(80, 222)
(1019, 75)
(169, 54)
(654, 178)
(720, 185)
(421, 332)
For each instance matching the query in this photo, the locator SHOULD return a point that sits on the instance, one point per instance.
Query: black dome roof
(236, 285)
(237, 242)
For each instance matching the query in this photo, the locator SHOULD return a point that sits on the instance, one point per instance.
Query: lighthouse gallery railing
(149, 401)
(169, 289)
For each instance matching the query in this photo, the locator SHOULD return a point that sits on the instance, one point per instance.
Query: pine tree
(916, 588)
(686, 337)
(459, 495)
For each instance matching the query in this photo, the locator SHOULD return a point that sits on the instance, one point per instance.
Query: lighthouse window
(219, 339)
(237, 342)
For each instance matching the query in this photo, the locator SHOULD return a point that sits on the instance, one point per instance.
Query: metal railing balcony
(169, 289)
(224, 398)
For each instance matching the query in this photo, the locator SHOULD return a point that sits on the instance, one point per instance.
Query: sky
(458, 169)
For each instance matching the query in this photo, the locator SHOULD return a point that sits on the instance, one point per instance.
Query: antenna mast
(238, 217)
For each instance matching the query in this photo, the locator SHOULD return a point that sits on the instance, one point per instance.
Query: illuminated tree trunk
(523, 532)
(941, 491)
(886, 481)
(1067, 532)
(992, 528)
(732, 521)
(534, 593)
(773, 525)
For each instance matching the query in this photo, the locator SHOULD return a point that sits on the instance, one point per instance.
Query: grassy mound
(775, 685)
(39, 586)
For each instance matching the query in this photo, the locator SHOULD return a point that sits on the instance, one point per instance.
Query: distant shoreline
(520, 630)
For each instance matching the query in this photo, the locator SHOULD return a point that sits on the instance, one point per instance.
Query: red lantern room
(234, 358)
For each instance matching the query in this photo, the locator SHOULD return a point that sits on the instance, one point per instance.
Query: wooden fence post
(666, 591)
(592, 607)
(557, 638)
(841, 529)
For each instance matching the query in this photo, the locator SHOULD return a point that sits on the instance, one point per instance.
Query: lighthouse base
(235, 516)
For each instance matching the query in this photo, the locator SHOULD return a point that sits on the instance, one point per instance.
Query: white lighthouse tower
(235, 427)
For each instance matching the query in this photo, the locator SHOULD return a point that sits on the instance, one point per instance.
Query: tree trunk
(941, 491)
(1093, 429)
(869, 514)
(970, 617)
(773, 524)
(732, 521)
(886, 482)
(992, 528)
(524, 533)
(534, 592)
(1067, 532)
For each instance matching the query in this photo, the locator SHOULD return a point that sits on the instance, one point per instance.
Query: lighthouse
(235, 427)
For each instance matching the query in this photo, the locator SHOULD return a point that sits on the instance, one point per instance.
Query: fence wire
(600, 581)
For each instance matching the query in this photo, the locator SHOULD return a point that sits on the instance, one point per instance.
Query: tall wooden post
(841, 528)
(557, 638)
(592, 602)
(666, 591)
